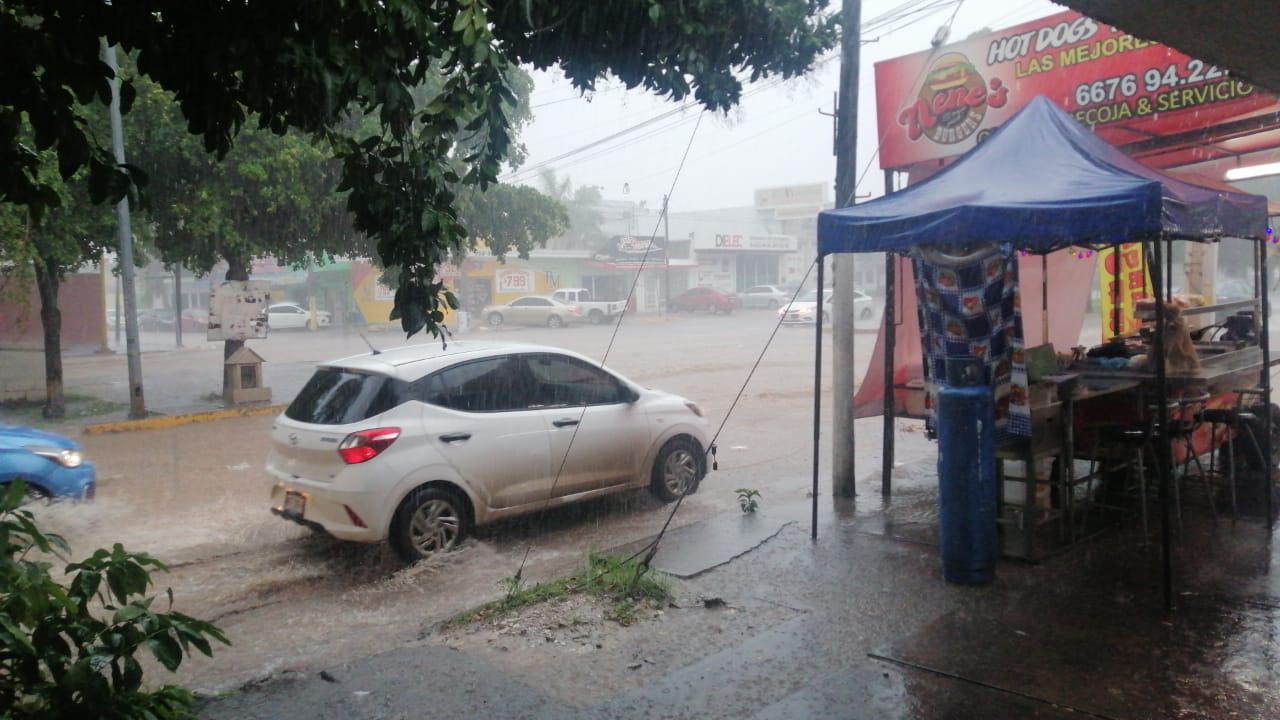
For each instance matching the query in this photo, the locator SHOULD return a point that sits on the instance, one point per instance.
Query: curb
(171, 421)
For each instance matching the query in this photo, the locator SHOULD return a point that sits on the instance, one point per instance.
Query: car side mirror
(629, 396)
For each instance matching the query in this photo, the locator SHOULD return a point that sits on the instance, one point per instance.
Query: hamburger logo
(953, 101)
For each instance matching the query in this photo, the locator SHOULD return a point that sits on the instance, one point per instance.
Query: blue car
(53, 466)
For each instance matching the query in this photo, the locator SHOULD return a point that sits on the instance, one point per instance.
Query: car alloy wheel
(434, 527)
(680, 471)
(495, 319)
(555, 321)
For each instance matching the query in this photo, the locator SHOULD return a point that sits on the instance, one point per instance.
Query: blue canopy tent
(1043, 182)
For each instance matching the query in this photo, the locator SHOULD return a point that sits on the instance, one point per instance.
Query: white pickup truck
(597, 311)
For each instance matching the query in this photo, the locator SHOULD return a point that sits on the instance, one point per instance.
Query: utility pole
(105, 347)
(666, 254)
(119, 311)
(842, 311)
(177, 304)
(137, 403)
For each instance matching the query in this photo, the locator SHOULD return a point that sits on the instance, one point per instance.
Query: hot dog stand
(1042, 183)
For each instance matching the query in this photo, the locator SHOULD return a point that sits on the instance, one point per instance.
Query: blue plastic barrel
(967, 484)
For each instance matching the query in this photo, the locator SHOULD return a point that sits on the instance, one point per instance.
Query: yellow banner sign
(1124, 280)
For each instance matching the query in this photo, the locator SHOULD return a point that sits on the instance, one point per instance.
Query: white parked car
(803, 310)
(288, 316)
(420, 444)
(766, 296)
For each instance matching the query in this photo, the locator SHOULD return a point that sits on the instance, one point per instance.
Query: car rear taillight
(365, 445)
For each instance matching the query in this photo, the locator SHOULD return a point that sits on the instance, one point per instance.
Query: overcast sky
(775, 137)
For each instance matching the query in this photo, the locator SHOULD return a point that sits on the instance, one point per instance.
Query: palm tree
(583, 203)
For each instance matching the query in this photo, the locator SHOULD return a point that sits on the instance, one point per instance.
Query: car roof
(410, 362)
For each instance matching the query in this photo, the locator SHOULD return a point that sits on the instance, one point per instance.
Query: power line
(806, 113)
(913, 7)
(528, 171)
(924, 68)
(609, 348)
(651, 548)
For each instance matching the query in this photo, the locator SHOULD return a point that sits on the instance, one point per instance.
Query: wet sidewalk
(859, 624)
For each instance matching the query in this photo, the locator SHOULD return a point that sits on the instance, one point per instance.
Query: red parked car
(705, 298)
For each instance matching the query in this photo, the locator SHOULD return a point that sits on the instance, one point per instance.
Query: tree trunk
(237, 270)
(47, 282)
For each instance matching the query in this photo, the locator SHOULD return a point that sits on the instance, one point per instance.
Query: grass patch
(609, 577)
(29, 412)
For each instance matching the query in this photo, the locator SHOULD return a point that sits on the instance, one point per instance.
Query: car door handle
(455, 437)
(565, 422)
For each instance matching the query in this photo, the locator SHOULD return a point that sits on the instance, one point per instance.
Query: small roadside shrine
(1143, 407)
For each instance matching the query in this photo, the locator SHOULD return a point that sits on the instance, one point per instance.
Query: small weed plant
(624, 582)
(748, 500)
(68, 648)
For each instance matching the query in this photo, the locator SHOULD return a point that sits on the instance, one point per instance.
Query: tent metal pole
(1044, 298)
(1165, 465)
(1168, 276)
(889, 321)
(1263, 292)
(817, 398)
(1115, 288)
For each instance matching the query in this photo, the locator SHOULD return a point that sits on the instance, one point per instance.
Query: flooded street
(290, 598)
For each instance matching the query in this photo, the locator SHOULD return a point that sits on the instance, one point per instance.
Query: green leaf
(129, 612)
(166, 651)
(655, 12)
(15, 494)
(16, 634)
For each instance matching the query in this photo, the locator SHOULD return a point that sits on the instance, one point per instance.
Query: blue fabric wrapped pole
(967, 484)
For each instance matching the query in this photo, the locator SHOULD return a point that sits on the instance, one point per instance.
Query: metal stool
(1127, 448)
(1182, 429)
(1239, 421)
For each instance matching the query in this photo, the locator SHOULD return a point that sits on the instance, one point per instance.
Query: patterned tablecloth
(970, 306)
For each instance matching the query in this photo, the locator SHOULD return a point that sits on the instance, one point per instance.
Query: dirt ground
(596, 658)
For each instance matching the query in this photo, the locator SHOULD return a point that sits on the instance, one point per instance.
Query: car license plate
(295, 503)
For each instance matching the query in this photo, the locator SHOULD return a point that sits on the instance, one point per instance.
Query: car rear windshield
(334, 396)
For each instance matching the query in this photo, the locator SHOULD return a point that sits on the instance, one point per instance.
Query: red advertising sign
(942, 102)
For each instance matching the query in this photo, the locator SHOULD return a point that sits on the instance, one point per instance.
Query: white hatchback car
(420, 444)
(288, 316)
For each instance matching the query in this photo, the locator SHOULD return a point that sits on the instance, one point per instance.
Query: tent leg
(1165, 466)
(890, 339)
(1044, 298)
(888, 451)
(1263, 292)
(817, 399)
(1115, 291)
